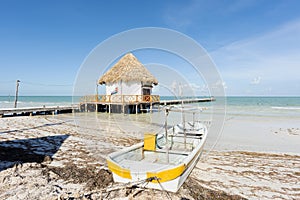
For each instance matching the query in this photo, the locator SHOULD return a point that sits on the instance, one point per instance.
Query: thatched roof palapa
(128, 68)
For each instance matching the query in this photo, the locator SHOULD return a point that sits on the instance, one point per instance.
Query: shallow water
(251, 123)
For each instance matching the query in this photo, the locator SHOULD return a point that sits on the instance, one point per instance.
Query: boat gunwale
(181, 167)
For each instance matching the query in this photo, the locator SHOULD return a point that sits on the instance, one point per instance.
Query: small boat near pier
(164, 160)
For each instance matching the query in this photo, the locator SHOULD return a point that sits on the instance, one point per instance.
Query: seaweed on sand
(200, 193)
(94, 178)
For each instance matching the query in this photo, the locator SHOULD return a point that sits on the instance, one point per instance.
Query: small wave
(285, 108)
(5, 102)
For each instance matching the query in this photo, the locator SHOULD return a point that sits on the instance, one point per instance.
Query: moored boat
(163, 160)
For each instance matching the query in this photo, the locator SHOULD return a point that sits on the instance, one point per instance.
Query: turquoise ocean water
(264, 106)
(35, 101)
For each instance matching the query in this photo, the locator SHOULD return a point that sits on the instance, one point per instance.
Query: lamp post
(17, 90)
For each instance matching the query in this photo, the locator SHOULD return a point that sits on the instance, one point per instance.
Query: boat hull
(163, 176)
(171, 185)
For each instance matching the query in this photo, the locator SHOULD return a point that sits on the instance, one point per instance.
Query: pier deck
(185, 101)
(94, 106)
(130, 103)
(38, 110)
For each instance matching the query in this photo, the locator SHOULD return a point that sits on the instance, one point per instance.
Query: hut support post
(136, 108)
(150, 107)
(96, 107)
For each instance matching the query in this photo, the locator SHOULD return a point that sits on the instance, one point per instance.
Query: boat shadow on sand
(37, 150)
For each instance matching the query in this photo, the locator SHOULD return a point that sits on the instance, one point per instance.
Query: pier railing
(121, 98)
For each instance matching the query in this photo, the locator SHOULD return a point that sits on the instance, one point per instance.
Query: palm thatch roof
(128, 68)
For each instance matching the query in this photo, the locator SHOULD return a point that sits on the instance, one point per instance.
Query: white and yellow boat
(164, 160)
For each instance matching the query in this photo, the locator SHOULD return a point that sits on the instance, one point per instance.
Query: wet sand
(46, 157)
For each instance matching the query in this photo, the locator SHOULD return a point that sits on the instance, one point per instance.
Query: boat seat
(188, 136)
(185, 153)
(191, 133)
(189, 129)
(192, 125)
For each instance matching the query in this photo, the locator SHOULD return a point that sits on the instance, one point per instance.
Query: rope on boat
(157, 179)
(138, 184)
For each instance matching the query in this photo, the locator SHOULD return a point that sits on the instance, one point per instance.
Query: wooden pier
(185, 101)
(118, 103)
(29, 111)
(129, 104)
(102, 103)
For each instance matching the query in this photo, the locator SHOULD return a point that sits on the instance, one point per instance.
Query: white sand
(256, 133)
(252, 175)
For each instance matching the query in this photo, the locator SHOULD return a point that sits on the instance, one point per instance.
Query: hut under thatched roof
(128, 77)
(128, 69)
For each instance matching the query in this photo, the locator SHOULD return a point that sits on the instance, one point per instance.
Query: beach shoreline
(232, 173)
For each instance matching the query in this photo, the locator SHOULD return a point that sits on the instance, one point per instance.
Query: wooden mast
(183, 116)
(166, 133)
(17, 90)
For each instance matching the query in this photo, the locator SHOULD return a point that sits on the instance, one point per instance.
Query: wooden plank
(4, 111)
(185, 101)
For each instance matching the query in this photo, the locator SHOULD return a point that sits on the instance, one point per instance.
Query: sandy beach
(55, 157)
(212, 87)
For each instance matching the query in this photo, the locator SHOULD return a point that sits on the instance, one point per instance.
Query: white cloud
(256, 80)
(192, 86)
(188, 13)
(181, 15)
(219, 84)
(190, 89)
(174, 87)
(155, 89)
(273, 55)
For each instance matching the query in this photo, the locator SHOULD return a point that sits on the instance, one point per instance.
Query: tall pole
(17, 90)
(97, 98)
(182, 114)
(166, 133)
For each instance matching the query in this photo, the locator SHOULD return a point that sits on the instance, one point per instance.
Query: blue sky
(255, 44)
